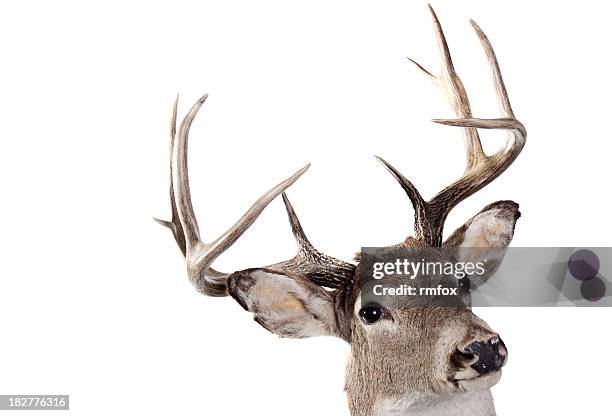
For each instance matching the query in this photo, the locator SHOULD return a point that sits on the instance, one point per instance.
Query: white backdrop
(94, 300)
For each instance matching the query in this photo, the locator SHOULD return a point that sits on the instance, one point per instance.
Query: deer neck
(478, 403)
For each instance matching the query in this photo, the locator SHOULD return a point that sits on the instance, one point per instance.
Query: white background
(94, 300)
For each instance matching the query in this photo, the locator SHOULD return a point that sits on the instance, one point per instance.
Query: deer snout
(485, 356)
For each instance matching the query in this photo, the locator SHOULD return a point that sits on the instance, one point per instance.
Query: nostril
(463, 359)
(490, 355)
(465, 356)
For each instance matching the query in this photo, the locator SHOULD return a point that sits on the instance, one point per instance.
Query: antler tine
(199, 255)
(227, 239)
(452, 88)
(498, 81)
(185, 208)
(320, 268)
(304, 245)
(174, 224)
(421, 226)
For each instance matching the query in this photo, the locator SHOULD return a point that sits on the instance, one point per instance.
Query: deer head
(405, 359)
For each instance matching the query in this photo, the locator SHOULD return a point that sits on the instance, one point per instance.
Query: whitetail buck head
(404, 359)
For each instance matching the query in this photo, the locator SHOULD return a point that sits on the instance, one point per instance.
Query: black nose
(490, 355)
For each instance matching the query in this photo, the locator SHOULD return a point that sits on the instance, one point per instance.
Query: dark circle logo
(584, 265)
(593, 289)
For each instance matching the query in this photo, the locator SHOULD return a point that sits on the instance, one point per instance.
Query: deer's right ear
(288, 306)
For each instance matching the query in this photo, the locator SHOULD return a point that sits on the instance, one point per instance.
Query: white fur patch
(479, 403)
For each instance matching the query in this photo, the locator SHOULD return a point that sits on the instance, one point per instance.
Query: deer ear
(288, 306)
(485, 237)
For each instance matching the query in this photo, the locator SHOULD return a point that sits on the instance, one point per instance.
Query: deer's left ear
(288, 306)
(485, 237)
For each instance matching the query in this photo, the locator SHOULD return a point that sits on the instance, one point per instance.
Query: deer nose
(490, 355)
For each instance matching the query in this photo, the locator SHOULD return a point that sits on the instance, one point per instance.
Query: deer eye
(371, 313)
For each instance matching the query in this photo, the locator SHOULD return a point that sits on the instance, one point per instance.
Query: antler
(199, 255)
(480, 168)
(183, 224)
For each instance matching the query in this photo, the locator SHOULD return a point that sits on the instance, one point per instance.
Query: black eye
(371, 313)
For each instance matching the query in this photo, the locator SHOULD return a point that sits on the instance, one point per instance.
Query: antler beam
(480, 168)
